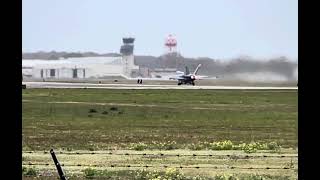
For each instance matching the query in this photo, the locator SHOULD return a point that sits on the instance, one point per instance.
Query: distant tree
(53, 57)
(70, 55)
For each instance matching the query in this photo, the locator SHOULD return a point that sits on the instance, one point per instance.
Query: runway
(137, 86)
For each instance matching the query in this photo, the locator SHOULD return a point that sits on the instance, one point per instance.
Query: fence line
(162, 154)
(164, 166)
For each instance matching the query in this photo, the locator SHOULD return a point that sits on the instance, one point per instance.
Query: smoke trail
(295, 74)
(260, 77)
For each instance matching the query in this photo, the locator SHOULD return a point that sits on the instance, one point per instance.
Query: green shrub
(92, 111)
(250, 148)
(198, 177)
(29, 171)
(225, 177)
(273, 146)
(114, 109)
(253, 147)
(24, 169)
(170, 173)
(89, 172)
(224, 145)
(255, 177)
(196, 146)
(199, 146)
(173, 173)
(138, 146)
(169, 145)
(141, 174)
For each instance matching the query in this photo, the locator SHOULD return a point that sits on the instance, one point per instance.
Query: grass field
(100, 120)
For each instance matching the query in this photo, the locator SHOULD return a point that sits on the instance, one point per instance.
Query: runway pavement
(137, 86)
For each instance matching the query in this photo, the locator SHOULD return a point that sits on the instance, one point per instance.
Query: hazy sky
(204, 28)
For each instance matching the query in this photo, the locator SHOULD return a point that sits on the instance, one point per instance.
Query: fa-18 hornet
(187, 77)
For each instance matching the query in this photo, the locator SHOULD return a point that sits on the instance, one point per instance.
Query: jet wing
(176, 78)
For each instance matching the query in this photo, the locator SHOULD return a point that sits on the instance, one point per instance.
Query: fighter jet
(187, 77)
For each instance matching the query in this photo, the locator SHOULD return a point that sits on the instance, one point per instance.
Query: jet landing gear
(181, 82)
(191, 83)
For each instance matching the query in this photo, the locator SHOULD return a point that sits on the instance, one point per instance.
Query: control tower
(126, 51)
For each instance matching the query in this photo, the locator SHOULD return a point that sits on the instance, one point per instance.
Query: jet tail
(195, 72)
(187, 71)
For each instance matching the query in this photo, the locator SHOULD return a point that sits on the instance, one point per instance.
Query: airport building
(84, 67)
(163, 72)
(73, 68)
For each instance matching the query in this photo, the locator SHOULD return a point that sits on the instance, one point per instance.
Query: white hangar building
(84, 67)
